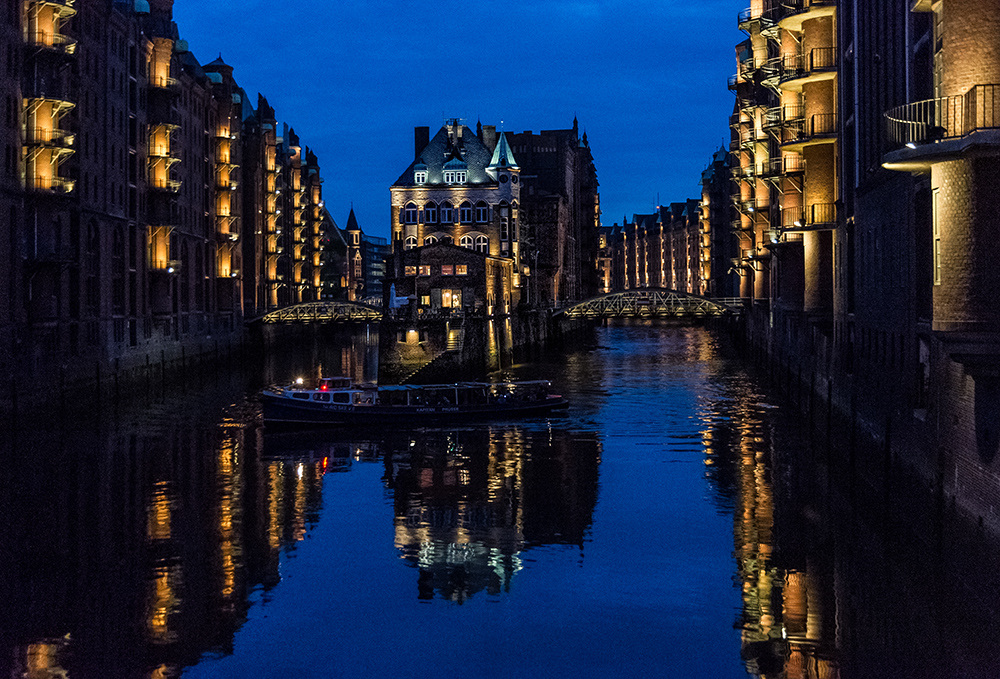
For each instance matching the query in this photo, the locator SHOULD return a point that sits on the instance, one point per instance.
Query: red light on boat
(323, 387)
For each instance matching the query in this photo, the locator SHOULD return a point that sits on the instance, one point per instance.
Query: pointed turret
(352, 222)
(503, 157)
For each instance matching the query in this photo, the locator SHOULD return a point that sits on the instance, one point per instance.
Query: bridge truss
(653, 303)
(324, 312)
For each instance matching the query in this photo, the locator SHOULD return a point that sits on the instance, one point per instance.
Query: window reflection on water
(133, 546)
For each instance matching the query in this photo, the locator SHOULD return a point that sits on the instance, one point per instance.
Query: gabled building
(462, 188)
(366, 256)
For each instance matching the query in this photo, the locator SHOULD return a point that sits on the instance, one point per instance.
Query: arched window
(410, 243)
(483, 244)
(468, 242)
(410, 213)
(465, 213)
(430, 213)
(430, 240)
(482, 212)
(447, 213)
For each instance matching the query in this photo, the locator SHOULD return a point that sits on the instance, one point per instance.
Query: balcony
(751, 17)
(820, 128)
(815, 217)
(798, 70)
(48, 137)
(57, 42)
(170, 266)
(164, 82)
(796, 12)
(782, 167)
(166, 185)
(49, 184)
(937, 130)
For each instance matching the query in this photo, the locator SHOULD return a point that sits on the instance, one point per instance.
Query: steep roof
(440, 150)
(352, 222)
(503, 157)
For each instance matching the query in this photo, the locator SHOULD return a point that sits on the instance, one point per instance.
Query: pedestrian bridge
(653, 303)
(323, 312)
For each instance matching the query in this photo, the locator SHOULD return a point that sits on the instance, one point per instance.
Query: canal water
(679, 520)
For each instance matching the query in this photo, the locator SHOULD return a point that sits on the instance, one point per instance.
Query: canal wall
(79, 385)
(924, 415)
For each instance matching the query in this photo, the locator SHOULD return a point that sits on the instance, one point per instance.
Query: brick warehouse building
(141, 194)
(873, 282)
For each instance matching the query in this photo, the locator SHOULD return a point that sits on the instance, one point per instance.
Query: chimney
(490, 137)
(421, 138)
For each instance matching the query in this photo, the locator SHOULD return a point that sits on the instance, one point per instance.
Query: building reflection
(468, 503)
(787, 627)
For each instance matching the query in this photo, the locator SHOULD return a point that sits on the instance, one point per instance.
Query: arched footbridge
(652, 303)
(323, 312)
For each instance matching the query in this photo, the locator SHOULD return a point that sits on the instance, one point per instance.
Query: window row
(450, 176)
(477, 243)
(445, 213)
(446, 270)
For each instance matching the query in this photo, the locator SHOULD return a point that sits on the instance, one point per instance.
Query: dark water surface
(677, 521)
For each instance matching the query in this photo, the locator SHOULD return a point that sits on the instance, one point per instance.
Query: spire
(352, 221)
(503, 157)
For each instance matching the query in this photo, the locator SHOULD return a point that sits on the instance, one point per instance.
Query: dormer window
(449, 176)
(460, 176)
(420, 177)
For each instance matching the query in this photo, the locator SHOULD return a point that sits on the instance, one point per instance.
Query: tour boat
(339, 401)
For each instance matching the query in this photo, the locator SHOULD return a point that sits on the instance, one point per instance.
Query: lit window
(410, 213)
(504, 223)
(425, 270)
(482, 244)
(465, 213)
(482, 212)
(447, 269)
(410, 271)
(420, 177)
(425, 300)
(410, 243)
(430, 240)
(447, 213)
(462, 269)
(468, 242)
(430, 213)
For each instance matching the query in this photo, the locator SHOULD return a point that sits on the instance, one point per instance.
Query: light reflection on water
(669, 524)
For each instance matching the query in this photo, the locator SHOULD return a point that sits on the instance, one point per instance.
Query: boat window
(301, 395)
(343, 397)
(323, 396)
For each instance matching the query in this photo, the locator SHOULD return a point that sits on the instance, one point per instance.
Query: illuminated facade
(462, 188)
(663, 249)
(124, 182)
(863, 148)
(784, 145)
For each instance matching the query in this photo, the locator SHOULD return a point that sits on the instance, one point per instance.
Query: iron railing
(933, 120)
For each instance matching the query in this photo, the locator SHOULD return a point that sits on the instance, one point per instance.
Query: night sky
(646, 79)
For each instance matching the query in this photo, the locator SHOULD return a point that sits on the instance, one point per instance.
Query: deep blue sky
(646, 78)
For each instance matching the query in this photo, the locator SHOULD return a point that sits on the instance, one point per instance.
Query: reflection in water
(136, 546)
(467, 502)
(785, 630)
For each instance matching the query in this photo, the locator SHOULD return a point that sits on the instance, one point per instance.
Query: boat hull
(281, 410)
